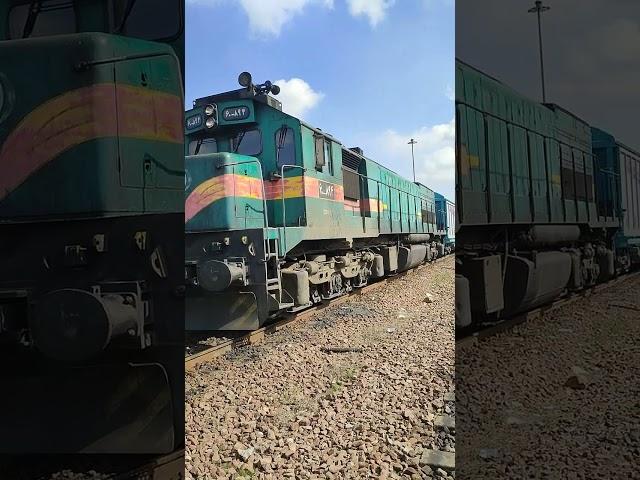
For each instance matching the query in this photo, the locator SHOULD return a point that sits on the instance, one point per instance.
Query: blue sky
(373, 73)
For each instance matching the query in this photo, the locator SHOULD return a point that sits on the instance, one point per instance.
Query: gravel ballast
(291, 408)
(556, 397)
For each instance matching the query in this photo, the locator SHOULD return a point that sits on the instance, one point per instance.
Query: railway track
(98, 466)
(256, 336)
(165, 467)
(489, 330)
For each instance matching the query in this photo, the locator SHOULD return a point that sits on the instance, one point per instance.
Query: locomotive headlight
(211, 122)
(209, 110)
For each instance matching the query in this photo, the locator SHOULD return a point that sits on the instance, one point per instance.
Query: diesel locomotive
(280, 215)
(546, 203)
(91, 221)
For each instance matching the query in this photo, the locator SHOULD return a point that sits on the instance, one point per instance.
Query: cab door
(150, 132)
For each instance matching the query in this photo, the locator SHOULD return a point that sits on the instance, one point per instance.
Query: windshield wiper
(125, 16)
(34, 10)
(282, 138)
(198, 145)
(239, 140)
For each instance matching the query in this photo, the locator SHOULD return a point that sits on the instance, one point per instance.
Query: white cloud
(267, 17)
(374, 10)
(297, 96)
(434, 153)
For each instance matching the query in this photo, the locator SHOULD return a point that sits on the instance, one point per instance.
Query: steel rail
(164, 467)
(256, 336)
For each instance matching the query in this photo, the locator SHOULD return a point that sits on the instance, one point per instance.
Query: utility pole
(538, 9)
(412, 142)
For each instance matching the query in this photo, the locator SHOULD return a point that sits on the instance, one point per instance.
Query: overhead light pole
(539, 8)
(412, 142)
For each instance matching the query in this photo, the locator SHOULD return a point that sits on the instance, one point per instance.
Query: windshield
(203, 146)
(244, 142)
(247, 142)
(132, 18)
(42, 18)
(143, 19)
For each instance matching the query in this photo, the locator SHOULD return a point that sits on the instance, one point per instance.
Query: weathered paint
(518, 161)
(82, 115)
(97, 141)
(315, 206)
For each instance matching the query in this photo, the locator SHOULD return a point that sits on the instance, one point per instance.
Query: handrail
(284, 216)
(264, 196)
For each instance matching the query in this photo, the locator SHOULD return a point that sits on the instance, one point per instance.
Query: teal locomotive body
(280, 215)
(541, 197)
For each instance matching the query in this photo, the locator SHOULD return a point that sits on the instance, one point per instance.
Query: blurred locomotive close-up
(547, 204)
(280, 216)
(91, 219)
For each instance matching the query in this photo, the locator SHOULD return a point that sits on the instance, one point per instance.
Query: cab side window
(319, 150)
(328, 157)
(324, 156)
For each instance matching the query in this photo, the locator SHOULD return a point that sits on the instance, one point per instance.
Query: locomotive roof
(555, 106)
(468, 65)
(549, 105)
(443, 197)
(617, 142)
(319, 131)
(239, 94)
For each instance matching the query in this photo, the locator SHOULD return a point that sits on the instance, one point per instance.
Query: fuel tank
(411, 256)
(533, 282)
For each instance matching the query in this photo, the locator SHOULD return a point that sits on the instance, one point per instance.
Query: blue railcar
(446, 221)
(618, 191)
